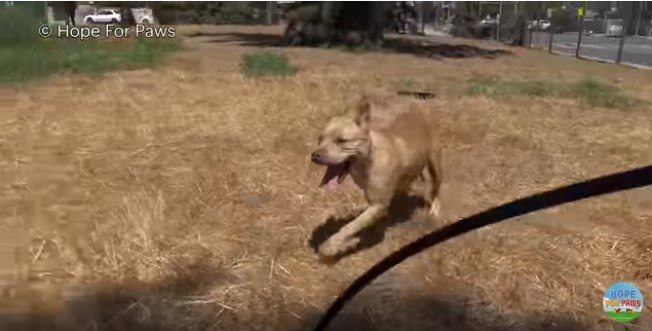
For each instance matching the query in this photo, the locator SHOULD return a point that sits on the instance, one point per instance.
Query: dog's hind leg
(435, 172)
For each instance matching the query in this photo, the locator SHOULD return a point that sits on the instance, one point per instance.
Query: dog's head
(344, 139)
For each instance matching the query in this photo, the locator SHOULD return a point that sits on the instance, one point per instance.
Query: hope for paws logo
(622, 302)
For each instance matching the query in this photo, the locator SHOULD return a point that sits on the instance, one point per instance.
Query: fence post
(580, 11)
(418, 7)
(500, 19)
(621, 45)
(550, 39)
(639, 17)
(268, 13)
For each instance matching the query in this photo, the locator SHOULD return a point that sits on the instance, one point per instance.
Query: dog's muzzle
(317, 158)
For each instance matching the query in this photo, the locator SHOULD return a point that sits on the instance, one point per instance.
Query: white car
(544, 24)
(615, 30)
(103, 16)
(540, 25)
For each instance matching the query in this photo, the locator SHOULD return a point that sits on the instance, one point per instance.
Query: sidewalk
(641, 37)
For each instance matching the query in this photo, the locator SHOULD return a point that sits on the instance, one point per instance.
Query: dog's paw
(435, 209)
(349, 244)
(329, 248)
(338, 246)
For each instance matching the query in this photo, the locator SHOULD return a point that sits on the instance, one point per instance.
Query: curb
(596, 59)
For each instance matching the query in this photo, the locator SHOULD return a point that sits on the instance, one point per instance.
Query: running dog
(387, 148)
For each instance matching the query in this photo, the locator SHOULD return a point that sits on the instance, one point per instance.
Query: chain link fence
(607, 31)
(613, 32)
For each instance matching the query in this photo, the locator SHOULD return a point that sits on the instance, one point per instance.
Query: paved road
(637, 50)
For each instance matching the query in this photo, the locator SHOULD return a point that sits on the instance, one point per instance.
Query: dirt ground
(183, 198)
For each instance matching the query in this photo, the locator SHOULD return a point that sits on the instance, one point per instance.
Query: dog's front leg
(346, 238)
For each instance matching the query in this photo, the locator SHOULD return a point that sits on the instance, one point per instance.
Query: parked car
(486, 28)
(540, 25)
(143, 15)
(146, 19)
(103, 16)
(489, 22)
(615, 30)
(544, 24)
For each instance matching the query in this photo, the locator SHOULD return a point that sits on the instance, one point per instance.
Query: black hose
(598, 186)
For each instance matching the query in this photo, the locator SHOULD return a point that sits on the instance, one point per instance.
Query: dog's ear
(363, 113)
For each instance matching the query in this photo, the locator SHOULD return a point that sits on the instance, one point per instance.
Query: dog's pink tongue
(330, 177)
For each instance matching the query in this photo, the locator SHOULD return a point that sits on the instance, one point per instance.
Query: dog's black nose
(315, 157)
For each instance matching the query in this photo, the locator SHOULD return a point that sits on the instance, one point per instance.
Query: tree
(126, 15)
(68, 7)
(345, 22)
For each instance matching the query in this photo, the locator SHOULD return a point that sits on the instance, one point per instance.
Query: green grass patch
(591, 91)
(265, 63)
(17, 27)
(24, 62)
(24, 56)
(623, 316)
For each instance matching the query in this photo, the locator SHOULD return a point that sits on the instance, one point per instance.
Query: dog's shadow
(402, 208)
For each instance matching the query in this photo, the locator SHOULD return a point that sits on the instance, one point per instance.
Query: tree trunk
(418, 6)
(355, 23)
(639, 17)
(629, 7)
(126, 16)
(69, 7)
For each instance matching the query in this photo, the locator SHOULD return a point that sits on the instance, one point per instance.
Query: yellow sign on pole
(580, 11)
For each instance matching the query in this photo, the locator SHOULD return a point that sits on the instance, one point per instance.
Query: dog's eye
(341, 141)
(320, 139)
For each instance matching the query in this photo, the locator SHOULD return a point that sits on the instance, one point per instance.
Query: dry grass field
(182, 197)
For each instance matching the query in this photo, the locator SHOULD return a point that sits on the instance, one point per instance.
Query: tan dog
(387, 148)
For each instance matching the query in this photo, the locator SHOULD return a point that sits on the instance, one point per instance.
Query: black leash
(598, 186)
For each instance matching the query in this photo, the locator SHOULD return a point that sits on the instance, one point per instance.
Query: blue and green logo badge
(622, 302)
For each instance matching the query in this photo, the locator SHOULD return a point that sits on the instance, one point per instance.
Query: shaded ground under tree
(423, 47)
